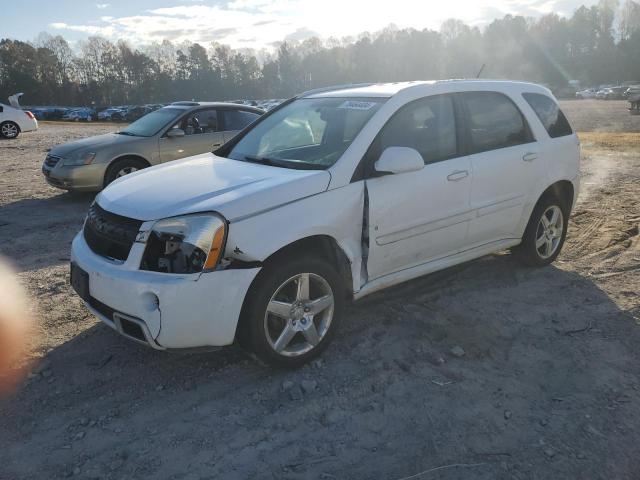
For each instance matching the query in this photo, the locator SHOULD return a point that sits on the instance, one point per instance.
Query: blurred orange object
(15, 326)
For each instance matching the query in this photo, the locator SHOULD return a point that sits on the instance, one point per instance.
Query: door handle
(216, 144)
(457, 175)
(529, 157)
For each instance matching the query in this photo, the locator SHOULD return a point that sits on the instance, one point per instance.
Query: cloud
(102, 6)
(261, 23)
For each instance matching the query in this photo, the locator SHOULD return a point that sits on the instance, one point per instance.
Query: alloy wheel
(126, 171)
(549, 231)
(9, 130)
(299, 314)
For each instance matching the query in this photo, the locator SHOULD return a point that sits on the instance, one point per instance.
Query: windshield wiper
(281, 162)
(123, 132)
(274, 162)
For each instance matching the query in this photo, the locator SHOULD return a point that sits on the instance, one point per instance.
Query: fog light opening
(151, 301)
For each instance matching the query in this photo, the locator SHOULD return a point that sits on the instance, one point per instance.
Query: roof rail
(186, 104)
(334, 87)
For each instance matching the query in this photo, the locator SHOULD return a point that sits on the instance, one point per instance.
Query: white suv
(333, 195)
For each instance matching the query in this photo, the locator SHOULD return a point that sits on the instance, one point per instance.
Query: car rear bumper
(163, 310)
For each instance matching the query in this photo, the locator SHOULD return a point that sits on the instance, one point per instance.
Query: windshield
(307, 133)
(151, 124)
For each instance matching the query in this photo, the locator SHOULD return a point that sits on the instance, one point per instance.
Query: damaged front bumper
(164, 311)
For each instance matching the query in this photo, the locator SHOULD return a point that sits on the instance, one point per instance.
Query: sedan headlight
(188, 244)
(82, 159)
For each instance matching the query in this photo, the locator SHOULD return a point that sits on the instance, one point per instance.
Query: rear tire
(308, 296)
(9, 130)
(545, 233)
(123, 167)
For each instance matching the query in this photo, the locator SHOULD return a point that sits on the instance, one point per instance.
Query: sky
(252, 24)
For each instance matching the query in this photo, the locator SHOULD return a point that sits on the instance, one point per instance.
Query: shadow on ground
(546, 388)
(46, 222)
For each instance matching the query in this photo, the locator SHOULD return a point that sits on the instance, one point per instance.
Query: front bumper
(87, 178)
(172, 311)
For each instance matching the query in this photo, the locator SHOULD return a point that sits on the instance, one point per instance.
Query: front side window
(308, 133)
(427, 125)
(494, 122)
(238, 119)
(549, 114)
(201, 121)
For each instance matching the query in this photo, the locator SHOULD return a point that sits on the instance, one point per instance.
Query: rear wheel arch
(562, 190)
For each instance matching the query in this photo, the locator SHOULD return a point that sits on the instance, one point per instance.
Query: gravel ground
(488, 370)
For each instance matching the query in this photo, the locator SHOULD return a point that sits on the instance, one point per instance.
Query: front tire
(123, 167)
(9, 130)
(545, 233)
(292, 311)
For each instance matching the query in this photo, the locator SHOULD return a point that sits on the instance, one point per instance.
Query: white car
(586, 94)
(14, 120)
(333, 195)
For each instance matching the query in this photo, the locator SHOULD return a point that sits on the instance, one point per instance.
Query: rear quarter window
(549, 114)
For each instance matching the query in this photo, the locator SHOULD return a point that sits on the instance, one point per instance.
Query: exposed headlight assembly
(82, 159)
(188, 244)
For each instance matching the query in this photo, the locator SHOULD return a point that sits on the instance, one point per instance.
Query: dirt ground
(548, 386)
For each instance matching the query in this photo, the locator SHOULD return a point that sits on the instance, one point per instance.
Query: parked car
(14, 120)
(134, 113)
(264, 240)
(80, 115)
(112, 113)
(586, 94)
(176, 131)
(614, 93)
(632, 91)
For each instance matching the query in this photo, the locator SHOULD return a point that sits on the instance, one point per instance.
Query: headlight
(188, 244)
(82, 159)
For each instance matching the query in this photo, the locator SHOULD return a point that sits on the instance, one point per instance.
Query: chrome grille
(108, 234)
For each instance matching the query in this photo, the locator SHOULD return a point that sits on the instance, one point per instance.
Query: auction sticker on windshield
(355, 105)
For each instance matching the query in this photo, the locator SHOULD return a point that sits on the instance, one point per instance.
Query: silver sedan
(179, 130)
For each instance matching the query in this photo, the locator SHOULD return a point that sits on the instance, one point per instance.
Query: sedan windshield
(309, 133)
(152, 123)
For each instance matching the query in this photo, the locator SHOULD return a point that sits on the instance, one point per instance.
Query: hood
(208, 183)
(92, 143)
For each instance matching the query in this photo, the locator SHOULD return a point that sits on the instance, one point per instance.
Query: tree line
(596, 45)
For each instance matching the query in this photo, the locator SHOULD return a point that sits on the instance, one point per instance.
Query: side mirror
(399, 160)
(175, 133)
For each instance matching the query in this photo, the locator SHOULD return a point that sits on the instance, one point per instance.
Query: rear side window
(427, 125)
(549, 114)
(494, 122)
(238, 119)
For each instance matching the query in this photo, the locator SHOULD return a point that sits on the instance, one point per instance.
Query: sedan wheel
(126, 171)
(9, 130)
(299, 314)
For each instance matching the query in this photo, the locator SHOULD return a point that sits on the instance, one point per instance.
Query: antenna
(480, 71)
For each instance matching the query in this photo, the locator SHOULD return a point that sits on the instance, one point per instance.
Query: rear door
(235, 120)
(202, 134)
(416, 217)
(505, 161)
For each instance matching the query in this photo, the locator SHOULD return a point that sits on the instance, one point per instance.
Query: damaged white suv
(333, 195)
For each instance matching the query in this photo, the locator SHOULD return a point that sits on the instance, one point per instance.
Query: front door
(417, 217)
(202, 135)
